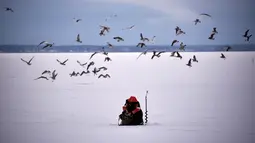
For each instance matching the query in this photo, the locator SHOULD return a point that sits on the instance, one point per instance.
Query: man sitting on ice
(132, 114)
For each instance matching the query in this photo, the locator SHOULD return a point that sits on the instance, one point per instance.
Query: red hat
(132, 99)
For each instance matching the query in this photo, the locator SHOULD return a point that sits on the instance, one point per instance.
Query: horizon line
(131, 45)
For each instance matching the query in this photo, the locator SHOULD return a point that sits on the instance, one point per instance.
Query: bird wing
(23, 60)
(107, 75)
(138, 44)
(92, 55)
(205, 14)
(78, 37)
(58, 61)
(31, 59)
(173, 42)
(65, 61)
(100, 76)
(246, 32)
(141, 36)
(178, 54)
(42, 43)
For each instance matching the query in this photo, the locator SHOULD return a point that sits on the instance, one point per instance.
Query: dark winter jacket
(132, 118)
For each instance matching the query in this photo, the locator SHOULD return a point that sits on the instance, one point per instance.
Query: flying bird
(194, 59)
(46, 44)
(104, 76)
(197, 21)
(211, 36)
(78, 20)
(155, 54)
(153, 40)
(205, 14)
(81, 63)
(143, 53)
(46, 71)
(228, 48)
(189, 63)
(141, 45)
(118, 39)
(41, 77)
(54, 75)
(182, 46)
(180, 32)
(143, 38)
(78, 39)
(105, 28)
(28, 62)
(107, 59)
(222, 56)
(109, 45)
(9, 9)
(129, 28)
(62, 63)
(174, 41)
(246, 33)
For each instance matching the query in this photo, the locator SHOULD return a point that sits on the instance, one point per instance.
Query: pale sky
(52, 20)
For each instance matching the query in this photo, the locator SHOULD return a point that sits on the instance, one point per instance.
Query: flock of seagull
(106, 29)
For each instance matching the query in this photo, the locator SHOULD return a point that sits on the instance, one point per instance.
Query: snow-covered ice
(211, 102)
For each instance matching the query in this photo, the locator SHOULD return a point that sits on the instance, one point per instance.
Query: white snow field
(211, 102)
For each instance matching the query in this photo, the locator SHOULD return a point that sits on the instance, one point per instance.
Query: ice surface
(211, 102)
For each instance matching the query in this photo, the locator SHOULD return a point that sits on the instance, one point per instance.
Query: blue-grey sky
(52, 20)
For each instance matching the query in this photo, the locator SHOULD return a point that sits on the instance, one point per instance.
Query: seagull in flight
(194, 59)
(189, 63)
(143, 53)
(46, 44)
(205, 14)
(104, 76)
(41, 77)
(29, 62)
(182, 46)
(8, 9)
(155, 54)
(129, 28)
(62, 63)
(197, 21)
(81, 63)
(143, 38)
(118, 39)
(141, 45)
(78, 39)
(222, 56)
(54, 75)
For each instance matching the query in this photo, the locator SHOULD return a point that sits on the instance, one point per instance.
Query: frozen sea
(211, 102)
